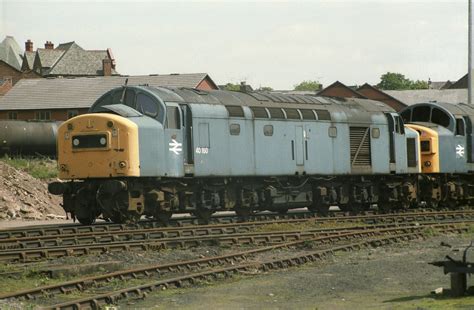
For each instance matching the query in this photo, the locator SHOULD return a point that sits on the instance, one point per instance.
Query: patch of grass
(307, 225)
(40, 168)
(433, 302)
(430, 232)
(470, 230)
(286, 226)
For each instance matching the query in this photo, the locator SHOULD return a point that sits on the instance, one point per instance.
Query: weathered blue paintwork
(203, 145)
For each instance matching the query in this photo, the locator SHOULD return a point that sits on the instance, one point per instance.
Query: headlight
(89, 141)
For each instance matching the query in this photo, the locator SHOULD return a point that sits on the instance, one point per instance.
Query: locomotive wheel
(86, 220)
(356, 208)
(282, 211)
(321, 210)
(450, 204)
(163, 216)
(203, 214)
(243, 212)
(128, 218)
(385, 207)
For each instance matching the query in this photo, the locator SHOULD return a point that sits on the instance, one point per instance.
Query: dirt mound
(24, 197)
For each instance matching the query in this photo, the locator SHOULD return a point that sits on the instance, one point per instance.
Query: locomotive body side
(184, 150)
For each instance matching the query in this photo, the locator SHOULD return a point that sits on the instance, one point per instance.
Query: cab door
(397, 142)
(299, 148)
(174, 149)
(187, 120)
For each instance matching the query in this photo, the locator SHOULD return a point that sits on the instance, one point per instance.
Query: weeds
(40, 168)
(430, 232)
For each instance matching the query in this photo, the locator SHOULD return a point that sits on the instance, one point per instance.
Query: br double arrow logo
(175, 146)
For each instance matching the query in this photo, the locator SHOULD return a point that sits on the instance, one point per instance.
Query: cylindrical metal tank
(28, 137)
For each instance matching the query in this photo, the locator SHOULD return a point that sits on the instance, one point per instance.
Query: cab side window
(147, 105)
(460, 127)
(130, 98)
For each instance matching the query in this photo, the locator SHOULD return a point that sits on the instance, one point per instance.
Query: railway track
(291, 217)
(225, 235)
(100, 237)
(233, 263)
(250, 238)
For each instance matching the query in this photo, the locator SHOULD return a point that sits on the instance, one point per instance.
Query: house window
(43, 115)
(72, 113)
(12, 115)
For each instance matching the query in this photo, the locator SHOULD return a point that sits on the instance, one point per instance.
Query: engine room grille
(323, 115)
(292, 114)
(259, 112)
(307, 114)
(276, 113)
(360, 146)
(411, 152)
(235, 111)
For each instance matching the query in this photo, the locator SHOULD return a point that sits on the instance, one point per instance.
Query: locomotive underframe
(127, 199)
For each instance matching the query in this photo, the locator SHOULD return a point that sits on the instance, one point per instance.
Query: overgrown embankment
(24, 191)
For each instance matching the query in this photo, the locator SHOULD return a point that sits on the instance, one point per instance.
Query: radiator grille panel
(411, 152)
(360, 146)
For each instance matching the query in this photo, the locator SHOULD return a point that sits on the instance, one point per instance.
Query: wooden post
(458, 284)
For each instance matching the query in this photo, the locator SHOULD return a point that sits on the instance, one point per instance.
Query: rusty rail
(95, 302)
(162, 269)
(293, 217)
(154, 242)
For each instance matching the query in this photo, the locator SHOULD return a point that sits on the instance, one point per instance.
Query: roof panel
(60, 93)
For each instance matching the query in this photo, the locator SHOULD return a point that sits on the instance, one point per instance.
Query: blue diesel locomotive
(156, 151)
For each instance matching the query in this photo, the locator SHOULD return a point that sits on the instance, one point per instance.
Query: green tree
(394, 81)
(308, 85)
(397, 81)
(232, 87)
(264, 88)
(419, 84)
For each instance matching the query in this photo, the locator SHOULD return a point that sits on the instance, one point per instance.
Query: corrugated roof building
(62, 98)
(410, 97)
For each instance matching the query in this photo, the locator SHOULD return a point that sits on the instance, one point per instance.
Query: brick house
(10, 65)
(374, 93)
(66, 60)
(366, 91)
(337, 89)
(61, 98)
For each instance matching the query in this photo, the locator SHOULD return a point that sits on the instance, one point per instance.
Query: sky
(265, 43)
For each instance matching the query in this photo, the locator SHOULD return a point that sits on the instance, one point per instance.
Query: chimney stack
(28, 46)
(49, 45)
(107, 67)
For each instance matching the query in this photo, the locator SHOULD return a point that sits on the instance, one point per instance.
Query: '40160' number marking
(202, 150)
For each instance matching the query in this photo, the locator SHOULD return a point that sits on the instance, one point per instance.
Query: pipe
(470, 85)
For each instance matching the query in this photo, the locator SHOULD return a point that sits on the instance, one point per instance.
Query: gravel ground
(384, 278)
(391, 277)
